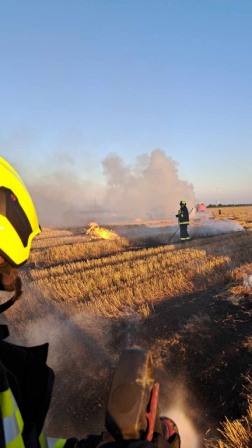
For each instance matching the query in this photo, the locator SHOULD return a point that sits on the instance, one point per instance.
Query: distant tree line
(228, 205)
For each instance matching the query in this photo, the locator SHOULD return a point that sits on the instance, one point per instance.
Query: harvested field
(243, 215)
(190, 304)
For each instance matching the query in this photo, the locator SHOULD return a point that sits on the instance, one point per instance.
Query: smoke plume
(180, 413)
(148, 189)
(151, 187)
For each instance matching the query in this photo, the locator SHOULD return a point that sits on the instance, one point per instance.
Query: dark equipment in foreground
(132, 415)
(132, 412)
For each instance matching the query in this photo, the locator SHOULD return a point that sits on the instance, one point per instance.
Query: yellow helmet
(18, 218)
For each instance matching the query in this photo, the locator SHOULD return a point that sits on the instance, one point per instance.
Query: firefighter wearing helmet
(183, 220)
(26, 382)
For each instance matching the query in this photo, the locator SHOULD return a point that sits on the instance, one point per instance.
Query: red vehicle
(201, 208)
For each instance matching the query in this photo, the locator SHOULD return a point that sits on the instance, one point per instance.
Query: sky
(81, 79)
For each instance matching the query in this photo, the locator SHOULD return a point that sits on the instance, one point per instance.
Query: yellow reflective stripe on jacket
(43, 439)
(50, 442)
(13, 425)
(17, 443)
(185, 222)
(6, 403)
(12, 420)
(56, 443)
(19, 420)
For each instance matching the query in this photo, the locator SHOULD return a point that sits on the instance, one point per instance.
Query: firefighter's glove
(9, 279)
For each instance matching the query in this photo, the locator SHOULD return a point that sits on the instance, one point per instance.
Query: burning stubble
(97, 232)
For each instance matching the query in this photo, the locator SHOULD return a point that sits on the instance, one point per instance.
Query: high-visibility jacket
(13, 426)
(183, 216)
(25, 392)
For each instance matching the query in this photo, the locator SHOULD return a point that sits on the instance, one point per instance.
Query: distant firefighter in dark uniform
(183, 218)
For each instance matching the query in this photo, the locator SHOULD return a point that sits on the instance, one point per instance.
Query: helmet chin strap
(8, 275)
(5, 306)
(9, 281)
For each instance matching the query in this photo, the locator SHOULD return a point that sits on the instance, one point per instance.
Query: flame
(98, 232)
(139, 220)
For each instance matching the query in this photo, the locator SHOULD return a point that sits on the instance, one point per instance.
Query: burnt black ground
(211, 359)
(197, 344)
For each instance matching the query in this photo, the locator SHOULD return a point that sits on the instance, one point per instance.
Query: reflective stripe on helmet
(12, 420)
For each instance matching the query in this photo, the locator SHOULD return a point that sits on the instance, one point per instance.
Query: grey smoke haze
(214, 227)
(199, 228)
(150, 188)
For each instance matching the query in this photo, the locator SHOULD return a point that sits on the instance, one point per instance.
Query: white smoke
(151, 188)
(188, 435)
(180, 410)
(148, 189)
(248, 282)
(225, 225)
(214, 227)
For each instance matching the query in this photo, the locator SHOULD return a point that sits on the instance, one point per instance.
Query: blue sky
(88, 77)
